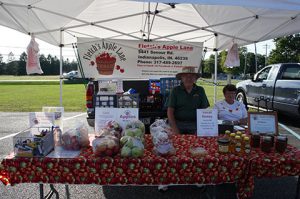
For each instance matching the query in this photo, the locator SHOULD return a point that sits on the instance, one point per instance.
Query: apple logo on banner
(127, 115)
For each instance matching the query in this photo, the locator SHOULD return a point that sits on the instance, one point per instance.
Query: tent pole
(60, 68)
(255, 58)
(216, 68)
(148, 15)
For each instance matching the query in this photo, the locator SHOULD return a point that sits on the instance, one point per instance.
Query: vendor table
(182, 168)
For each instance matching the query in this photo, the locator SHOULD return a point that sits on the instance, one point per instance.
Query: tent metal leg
(67, 191)
(41, 191)
(298, 189)
(50, 193)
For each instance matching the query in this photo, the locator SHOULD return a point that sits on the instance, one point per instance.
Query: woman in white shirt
(229, 109)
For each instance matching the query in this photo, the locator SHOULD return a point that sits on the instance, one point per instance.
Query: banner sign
(136, 59)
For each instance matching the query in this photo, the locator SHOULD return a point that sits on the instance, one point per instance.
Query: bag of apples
(161, 138)
(107, 140)
(75, 139)
(135, 128)
(111, 128)
(132, 147)
(107, 145)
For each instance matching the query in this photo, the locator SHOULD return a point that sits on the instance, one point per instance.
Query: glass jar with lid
(238, 145)
(255, 140)
(223, 145)
(280, 143)
(246, 145)
(232, 142)
(266, 144)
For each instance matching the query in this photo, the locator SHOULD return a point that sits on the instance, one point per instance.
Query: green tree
(287, 50)
(2, 65)
(12, 68)
(22, 64)
(209, 64)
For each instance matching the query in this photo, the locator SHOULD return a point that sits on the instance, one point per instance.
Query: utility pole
(266, 47)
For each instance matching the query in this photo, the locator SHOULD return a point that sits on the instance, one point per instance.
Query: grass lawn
(29, 77)
(27, 96)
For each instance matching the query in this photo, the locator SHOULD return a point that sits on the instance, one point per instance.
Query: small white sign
(207, 122)
(263, 122)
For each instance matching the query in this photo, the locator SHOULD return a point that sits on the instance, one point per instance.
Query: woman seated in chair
(230, 109)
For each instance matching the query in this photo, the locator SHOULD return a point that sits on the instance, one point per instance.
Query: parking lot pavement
(265, 188)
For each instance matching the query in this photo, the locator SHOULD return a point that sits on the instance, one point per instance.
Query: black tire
(241, 97)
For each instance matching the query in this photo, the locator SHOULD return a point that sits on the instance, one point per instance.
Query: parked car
(71, 75)
(275, 87)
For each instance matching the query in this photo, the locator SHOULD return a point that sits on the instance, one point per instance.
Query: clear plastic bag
(75, 139)
(33, 63)
(160, 125)
(135, 129)
(161, 139)
(133, 147)
(106, 145)
(111, 128)
(115, 128)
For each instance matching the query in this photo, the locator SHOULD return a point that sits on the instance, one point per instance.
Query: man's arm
(172, 121)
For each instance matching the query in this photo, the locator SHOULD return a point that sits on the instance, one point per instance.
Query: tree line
(287, 50)
(49, 65)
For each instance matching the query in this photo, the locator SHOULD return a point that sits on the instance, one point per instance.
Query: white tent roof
(243, 21)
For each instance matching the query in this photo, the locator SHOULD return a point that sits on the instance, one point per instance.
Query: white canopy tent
(216, 23)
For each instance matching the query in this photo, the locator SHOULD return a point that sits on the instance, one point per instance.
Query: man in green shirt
(183, 102)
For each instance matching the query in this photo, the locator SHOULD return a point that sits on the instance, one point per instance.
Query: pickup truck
(275, 87)
(150, 105)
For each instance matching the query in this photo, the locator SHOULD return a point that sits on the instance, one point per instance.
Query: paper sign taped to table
(58, 115)
(207, 122)
(121, 115)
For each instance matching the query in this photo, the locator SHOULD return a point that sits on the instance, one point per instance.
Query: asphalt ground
(265, 188)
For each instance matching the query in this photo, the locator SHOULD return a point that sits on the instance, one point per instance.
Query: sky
(16, 42)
